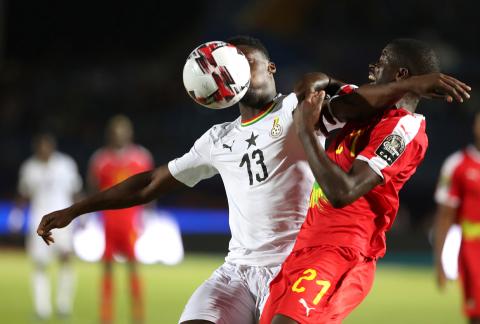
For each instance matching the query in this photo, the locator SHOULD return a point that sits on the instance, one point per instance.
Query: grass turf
(400, 294)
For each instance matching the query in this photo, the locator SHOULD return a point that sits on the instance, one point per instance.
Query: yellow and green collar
(260, 115)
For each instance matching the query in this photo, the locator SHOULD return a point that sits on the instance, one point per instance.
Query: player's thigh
(308, 280)
(63, 242)
(224, 298)
(354, 288)
(469, 269)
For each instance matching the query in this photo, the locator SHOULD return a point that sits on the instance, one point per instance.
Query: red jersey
(459, 187)
(109, 167)
(393, 144)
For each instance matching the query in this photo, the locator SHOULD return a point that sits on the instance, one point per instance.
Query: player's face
(382, 71)
(261, 76)
(120, 134)
(44, 148)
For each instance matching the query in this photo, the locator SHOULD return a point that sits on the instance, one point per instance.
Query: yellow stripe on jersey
(470, 230)
(260, 116)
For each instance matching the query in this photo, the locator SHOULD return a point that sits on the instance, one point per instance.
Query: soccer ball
(216, 75)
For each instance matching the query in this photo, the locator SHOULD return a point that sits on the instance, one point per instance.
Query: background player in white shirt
(49, 180)
(267, 181)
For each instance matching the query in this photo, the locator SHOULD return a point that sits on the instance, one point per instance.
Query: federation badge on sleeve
(391, 148)
(277, 129)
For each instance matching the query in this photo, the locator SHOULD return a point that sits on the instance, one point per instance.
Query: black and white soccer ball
(216, 75)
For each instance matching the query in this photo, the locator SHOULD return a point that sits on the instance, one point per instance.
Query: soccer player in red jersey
(458, 199)
(355, 198)
(110, 165)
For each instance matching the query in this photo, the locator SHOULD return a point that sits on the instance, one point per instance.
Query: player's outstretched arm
(368, 99)
(136, 190)
(444, 219)
(339, 187)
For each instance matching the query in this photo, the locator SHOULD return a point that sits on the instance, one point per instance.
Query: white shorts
(42, 253)
(234, 294)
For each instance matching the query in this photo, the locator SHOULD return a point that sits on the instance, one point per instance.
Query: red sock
(106, 311)
(137, 302)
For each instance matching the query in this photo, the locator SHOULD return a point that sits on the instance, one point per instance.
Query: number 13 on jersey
(257, 156)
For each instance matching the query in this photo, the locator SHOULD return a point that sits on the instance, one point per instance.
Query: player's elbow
(338, 202)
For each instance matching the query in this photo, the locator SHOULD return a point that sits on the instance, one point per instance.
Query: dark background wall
(67, 66)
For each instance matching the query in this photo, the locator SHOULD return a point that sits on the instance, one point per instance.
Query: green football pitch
(401, 294)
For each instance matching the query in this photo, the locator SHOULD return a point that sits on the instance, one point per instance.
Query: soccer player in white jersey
(267, 181)
(49, 180)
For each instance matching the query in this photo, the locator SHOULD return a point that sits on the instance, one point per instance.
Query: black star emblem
(251, 140)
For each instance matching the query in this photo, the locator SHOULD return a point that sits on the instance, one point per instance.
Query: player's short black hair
(415, 55)
(249, 41)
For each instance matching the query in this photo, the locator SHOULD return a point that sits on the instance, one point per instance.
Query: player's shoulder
(285, 102)
(219, 131)
(404, 122)
(454, 160)
(28, 164)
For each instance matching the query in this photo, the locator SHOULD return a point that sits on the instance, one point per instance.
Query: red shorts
(469, 270)
(319, 285)
(120, 237)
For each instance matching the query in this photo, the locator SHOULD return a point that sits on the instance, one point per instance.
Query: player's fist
(439, 85)
(307, 114)
(57, 219)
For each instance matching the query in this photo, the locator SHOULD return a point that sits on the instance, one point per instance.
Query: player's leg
(106, 298)
(469, 270)
(309, 280)
(106, 306)
(222, 298)
(66, 285)
(66, 275)
(41, 256)
(136, 292)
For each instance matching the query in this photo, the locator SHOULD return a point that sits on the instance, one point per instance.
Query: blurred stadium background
(68, 66)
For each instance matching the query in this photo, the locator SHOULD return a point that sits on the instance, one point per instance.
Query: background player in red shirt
(112, 164)
(355, 198)
(458, 199)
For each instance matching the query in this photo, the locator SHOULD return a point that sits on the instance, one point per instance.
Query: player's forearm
(317, 81)
(133, 191)
(337, 186)
(444, 219)
(367, 100)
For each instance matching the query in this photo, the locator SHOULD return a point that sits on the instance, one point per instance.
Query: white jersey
(49, 185)
(266, 176)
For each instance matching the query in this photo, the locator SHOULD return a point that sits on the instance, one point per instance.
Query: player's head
(119, 131)
(44, 144)
(262, 82)
(402, 58)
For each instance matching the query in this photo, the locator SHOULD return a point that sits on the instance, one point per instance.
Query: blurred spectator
(458, 199)
(49, 180)
(115, 162)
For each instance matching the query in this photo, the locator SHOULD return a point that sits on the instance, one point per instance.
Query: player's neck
(248, 112)
(477, 144)
(408, 102)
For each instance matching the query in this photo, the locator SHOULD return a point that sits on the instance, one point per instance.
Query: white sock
(66, 289)
(41, 293)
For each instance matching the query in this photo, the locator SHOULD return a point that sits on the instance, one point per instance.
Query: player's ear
(402, 73)
(272, 68)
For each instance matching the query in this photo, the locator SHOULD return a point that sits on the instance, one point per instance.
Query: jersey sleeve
(449, 183)
(195, 165)
(344, 90)
(396, 144)
(23, 186)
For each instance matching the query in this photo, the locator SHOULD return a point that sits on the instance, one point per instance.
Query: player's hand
(307, 113)
(440, 86)
(57, 219)
(441, 277)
